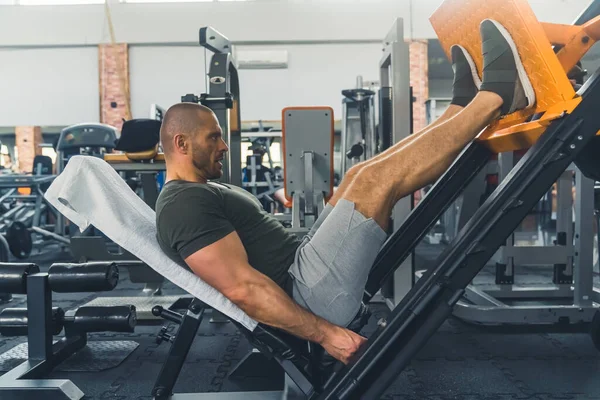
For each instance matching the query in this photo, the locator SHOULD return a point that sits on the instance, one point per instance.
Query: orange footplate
(457, 22)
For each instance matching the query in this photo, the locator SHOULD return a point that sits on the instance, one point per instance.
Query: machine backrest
(139, 138)
(87, 135)
(307, 129)
(45, 162)
(91, 192)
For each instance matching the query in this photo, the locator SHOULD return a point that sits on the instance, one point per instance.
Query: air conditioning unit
(261, 59)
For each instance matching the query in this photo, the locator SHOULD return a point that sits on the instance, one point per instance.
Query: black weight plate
(19, 240)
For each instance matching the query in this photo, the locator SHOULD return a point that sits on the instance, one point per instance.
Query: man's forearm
(267, 303)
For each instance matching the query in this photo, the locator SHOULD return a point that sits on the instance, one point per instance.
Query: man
(313, 288)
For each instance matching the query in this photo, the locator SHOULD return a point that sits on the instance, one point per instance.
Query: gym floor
(459, 362)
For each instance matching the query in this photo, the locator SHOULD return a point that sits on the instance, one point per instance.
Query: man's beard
(202, 162)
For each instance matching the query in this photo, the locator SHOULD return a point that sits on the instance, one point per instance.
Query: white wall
(316, 74)
(67, 78)
(179, 22)
(254, 21)
(315, 77)
(162, 75)
(48, 86)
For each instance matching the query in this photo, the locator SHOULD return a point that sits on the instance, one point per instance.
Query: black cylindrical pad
(13, 277)
(13, 321)
(105, 319)
(86, 277)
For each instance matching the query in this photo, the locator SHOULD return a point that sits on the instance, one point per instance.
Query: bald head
(193, 143)
(185, 119)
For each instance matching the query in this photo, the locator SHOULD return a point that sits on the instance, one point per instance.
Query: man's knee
(370, 181)
(351, 173)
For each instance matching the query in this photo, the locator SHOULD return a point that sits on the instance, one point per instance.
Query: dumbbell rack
(39, 321)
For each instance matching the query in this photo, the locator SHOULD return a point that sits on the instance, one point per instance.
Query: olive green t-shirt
(191, 216)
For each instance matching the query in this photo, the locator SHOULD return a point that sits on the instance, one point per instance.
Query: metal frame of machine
(358, 140)
(566, 299)
(395, 121)
(308, 163)
(554, 142)
(223, 98)
(40, 322)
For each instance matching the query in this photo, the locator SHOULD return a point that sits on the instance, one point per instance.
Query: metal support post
(182, 341)
(224, 100)
(150, 188)
(505, 269)
(563, 272)
(343, 139)
(39, 317)
(394, 73)
(309, 205)
(584, 240)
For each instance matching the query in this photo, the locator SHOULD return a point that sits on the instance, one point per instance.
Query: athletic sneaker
(503, 71)
(466, 81)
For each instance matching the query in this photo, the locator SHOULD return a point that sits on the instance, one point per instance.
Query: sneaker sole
(525, 82)
(471, 65)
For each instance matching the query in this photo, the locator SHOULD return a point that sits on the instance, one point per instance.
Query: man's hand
(342, 343)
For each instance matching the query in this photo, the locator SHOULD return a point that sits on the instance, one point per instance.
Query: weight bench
(565, 133)
(307, 134)
(40, 322)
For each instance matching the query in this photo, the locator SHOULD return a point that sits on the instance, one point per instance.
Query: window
(72, 2)
(165, 1)
(49, 151)
(56, 2)
(175, 1)
(4, 156)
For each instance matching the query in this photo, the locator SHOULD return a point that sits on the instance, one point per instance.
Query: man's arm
(224, 265)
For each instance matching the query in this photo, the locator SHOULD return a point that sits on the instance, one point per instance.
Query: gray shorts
(332, 264)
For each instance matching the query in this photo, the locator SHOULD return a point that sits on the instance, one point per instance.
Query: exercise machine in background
(28, 223)
(395, 124)
(359, 141)
(308, 163)
(223, 98)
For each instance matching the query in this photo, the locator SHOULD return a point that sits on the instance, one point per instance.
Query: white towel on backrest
(90, 192)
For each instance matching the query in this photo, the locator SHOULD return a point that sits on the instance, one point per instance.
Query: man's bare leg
(349, 176)
(379, 185)
(465, 87)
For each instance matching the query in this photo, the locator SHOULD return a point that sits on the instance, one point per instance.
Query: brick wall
(28, 139)
(419, 81)
(114, 83)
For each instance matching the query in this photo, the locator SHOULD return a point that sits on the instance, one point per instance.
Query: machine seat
(138, 142)
(141, 156)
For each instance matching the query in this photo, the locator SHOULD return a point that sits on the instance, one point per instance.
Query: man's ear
(181, 143)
